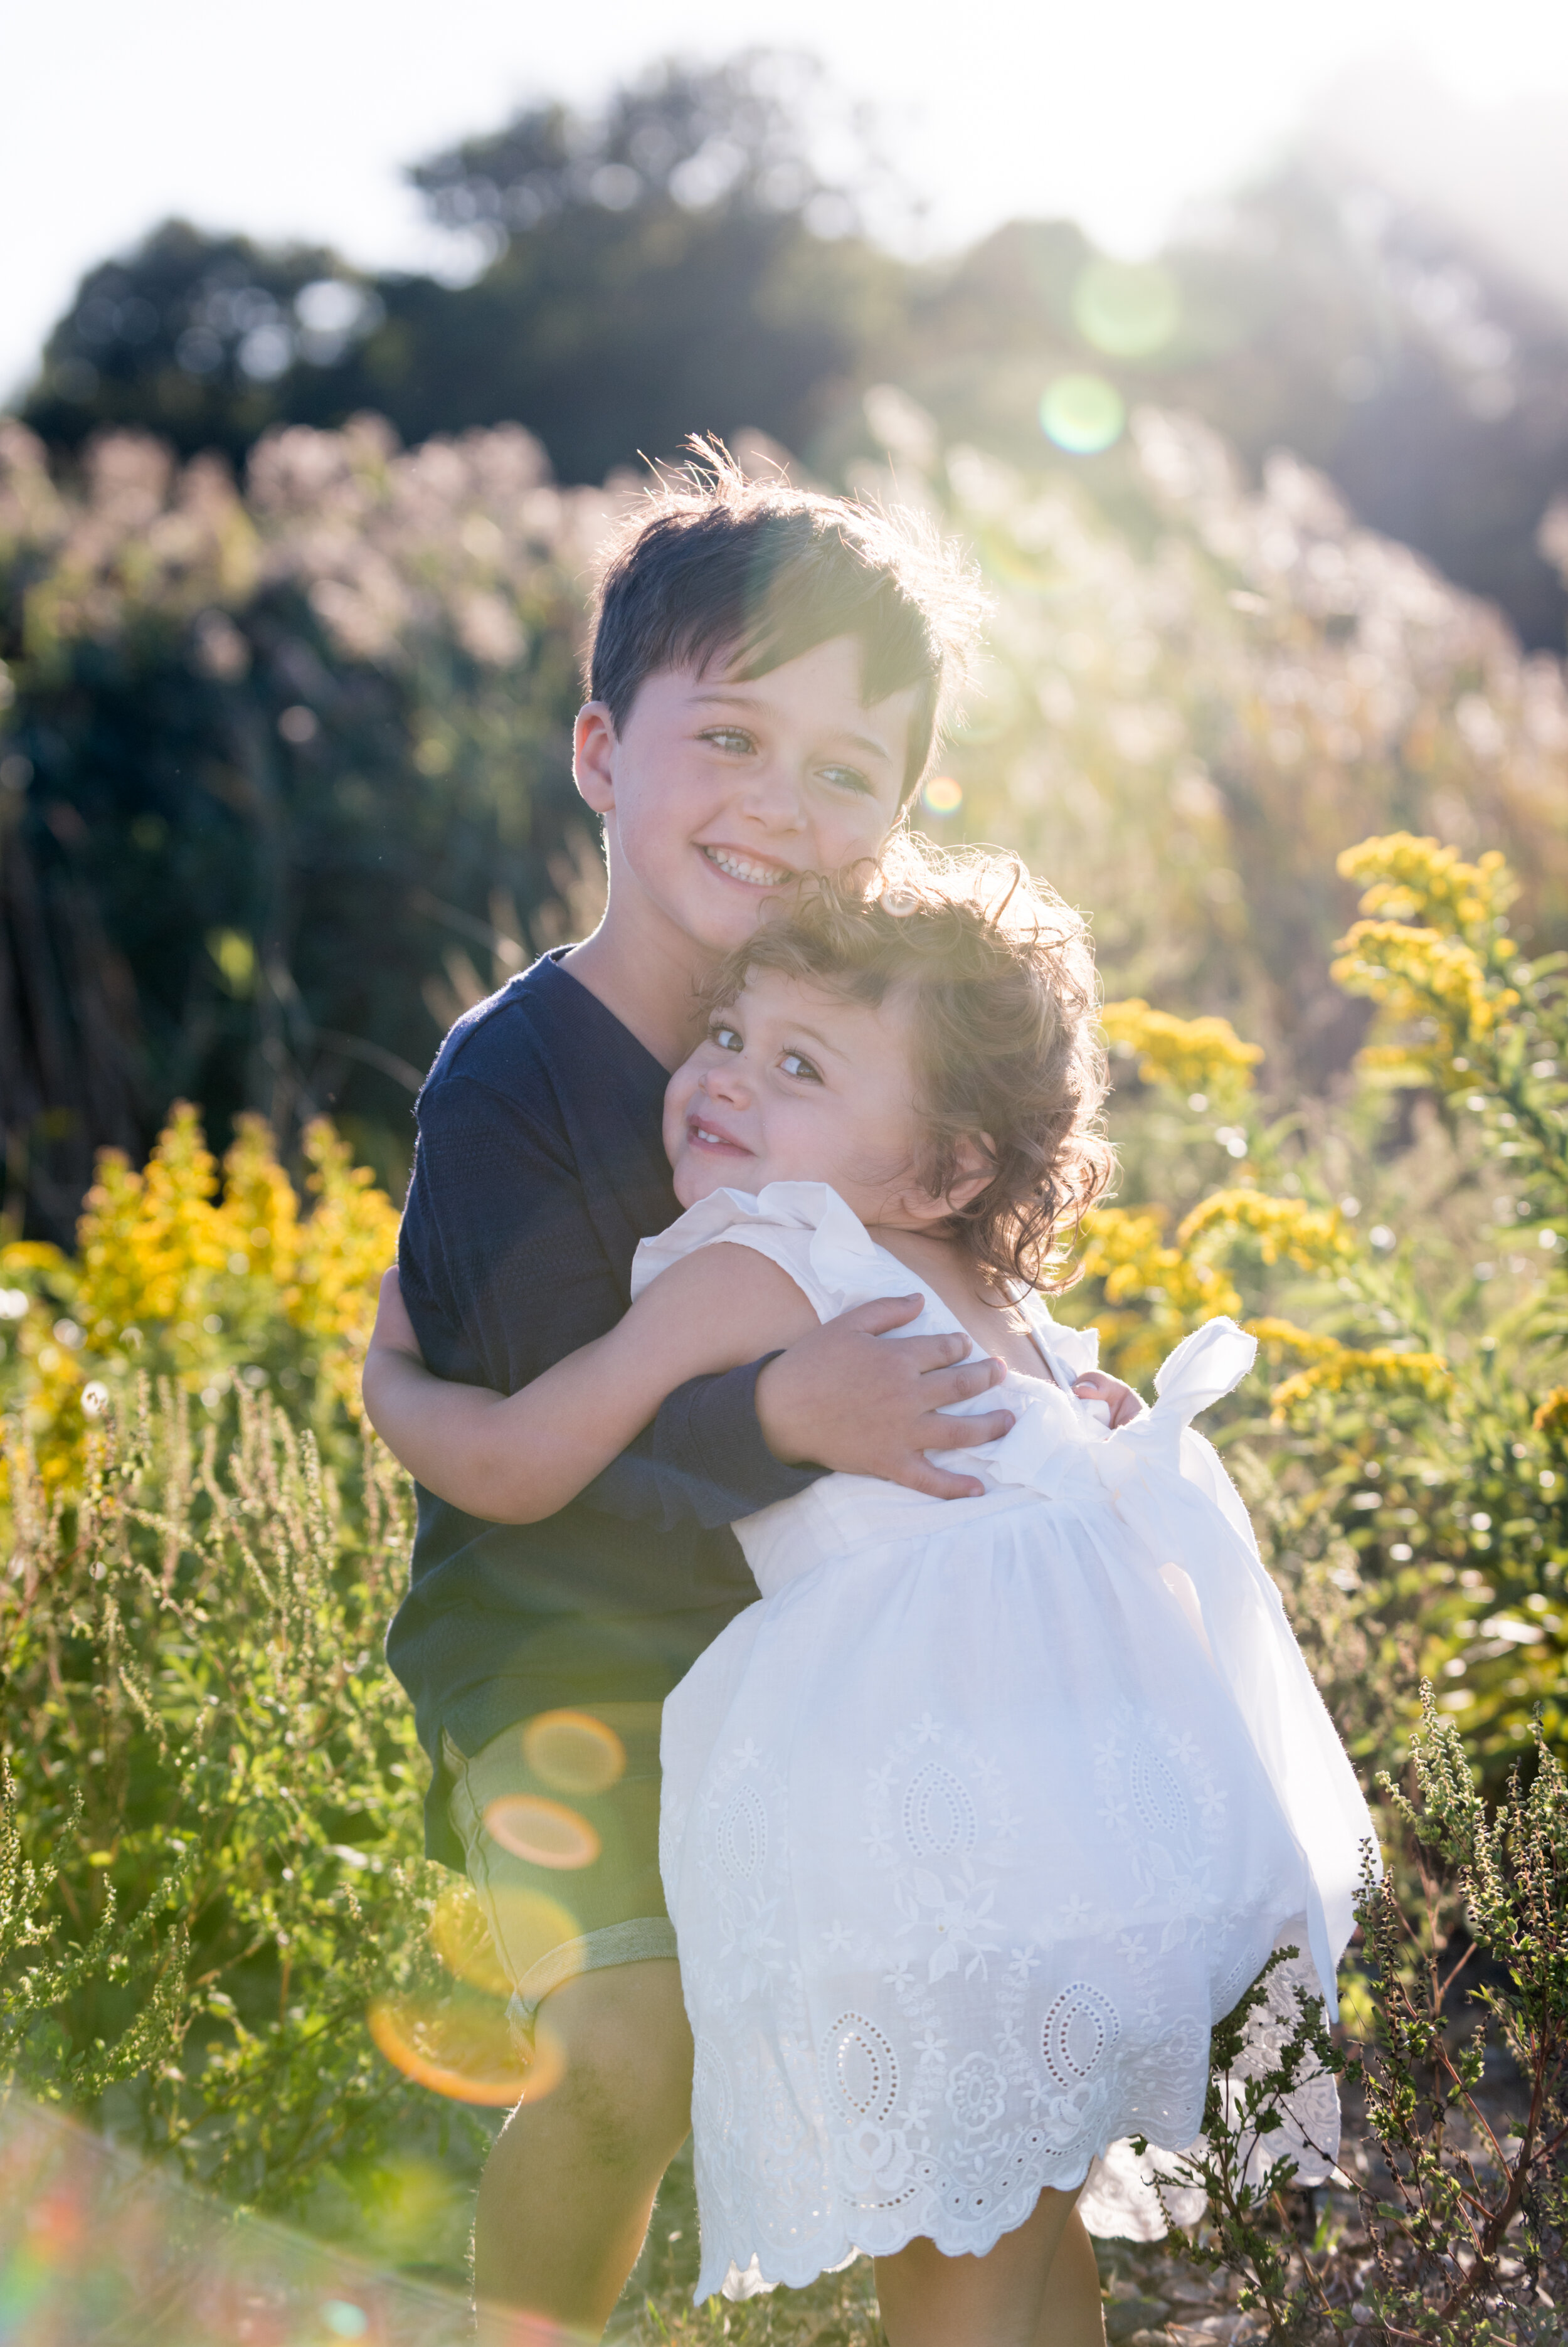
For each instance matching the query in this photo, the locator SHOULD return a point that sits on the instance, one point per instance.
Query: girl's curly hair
(1008, 1051)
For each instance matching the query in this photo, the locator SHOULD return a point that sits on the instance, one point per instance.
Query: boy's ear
(593, 744)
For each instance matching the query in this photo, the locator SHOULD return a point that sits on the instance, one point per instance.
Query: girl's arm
(514, 1458)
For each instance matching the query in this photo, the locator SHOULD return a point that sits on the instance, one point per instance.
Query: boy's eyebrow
(866, 741)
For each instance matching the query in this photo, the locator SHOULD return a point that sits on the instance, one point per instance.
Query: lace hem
(885, 2232)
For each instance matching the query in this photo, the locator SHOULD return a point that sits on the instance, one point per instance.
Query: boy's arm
(514, 1458)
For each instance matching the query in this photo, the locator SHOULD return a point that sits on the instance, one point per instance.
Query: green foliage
(217, 1936)
(211, 1798)
(1446, 2222)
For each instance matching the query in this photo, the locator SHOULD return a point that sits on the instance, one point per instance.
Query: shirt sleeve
(503, 1274)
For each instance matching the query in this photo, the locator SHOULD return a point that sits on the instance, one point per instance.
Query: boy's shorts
(558, 1819)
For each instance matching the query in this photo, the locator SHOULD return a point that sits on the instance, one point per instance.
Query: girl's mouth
(702, 1136)
(747, 869)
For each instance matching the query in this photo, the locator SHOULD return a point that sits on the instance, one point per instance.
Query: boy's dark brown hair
(1003, 1005)
(754, 573)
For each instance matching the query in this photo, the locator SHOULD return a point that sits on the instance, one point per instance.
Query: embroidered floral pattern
(972, 2067)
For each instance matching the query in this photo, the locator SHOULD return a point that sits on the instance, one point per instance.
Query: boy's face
(792, 1083)
(720, 794)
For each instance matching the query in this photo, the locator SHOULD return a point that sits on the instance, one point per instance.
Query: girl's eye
(727, 1038)
(847, 778)
(795, 1063)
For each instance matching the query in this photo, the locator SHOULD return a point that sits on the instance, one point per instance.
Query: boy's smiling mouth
(747, 868)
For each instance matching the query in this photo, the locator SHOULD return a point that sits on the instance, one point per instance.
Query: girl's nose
(726, 1082)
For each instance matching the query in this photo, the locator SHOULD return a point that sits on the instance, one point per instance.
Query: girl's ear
(593, 746)
(974, 1165)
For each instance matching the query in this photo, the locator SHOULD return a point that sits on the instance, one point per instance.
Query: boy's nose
(773, 796)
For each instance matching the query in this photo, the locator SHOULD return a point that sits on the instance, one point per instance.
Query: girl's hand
(1120, 1400)
(393, 1330)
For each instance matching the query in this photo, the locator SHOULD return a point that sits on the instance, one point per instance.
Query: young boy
(766, 675)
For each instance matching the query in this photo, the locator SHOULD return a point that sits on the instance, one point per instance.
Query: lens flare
(573, 1752)
(1083, 413)
(465, 2050)
(344, 2319)
(96, 2244)
(1127, 312)
(546, 1833)
(461, 1938)
(943, 795)
(492, 1945)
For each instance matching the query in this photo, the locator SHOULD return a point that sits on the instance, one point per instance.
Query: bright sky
(292, 118)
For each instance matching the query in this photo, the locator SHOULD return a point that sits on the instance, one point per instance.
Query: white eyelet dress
(980, 1818)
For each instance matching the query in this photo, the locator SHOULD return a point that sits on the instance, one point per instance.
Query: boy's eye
(729, 737)
(728, 1038)
(795, 1063)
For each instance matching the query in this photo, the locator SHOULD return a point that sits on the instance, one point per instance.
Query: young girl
(975, 1824)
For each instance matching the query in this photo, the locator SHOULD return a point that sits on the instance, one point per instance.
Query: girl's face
(794, 1084)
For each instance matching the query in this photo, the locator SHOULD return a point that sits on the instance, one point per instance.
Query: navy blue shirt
(540, 1166)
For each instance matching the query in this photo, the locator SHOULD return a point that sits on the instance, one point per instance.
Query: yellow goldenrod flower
(1124, 1249)
(174, 1276)
(1381, 1368)
(1419, 880)
(1192, 1055)
(1552, 1417)
(1285, 1336)
(1420, 973)
(1310, 1236)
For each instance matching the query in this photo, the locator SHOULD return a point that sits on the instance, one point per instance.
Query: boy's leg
(566, 2197)
(1014, 2297)
(580, 1932)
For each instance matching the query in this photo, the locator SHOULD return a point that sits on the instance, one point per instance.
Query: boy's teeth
(741, 867)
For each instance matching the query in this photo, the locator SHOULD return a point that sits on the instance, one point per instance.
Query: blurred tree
(1372, 341)
(206, 340)
(676, 262)
(1310, 315)
(274, 774)
(680, 261)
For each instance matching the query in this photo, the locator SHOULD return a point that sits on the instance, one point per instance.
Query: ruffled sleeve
(804, 1226)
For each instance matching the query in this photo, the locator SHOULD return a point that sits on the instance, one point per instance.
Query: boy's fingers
(964, 1433)
(928, 1354)
(938, 1387)
(920, 1475)
(884, 1312)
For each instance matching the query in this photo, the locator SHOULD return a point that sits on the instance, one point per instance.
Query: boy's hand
(1120, 1400)
(841, 1399)
(393, 1330)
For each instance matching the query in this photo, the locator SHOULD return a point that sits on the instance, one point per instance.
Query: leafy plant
(1448, 2221)
(210, 1879)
